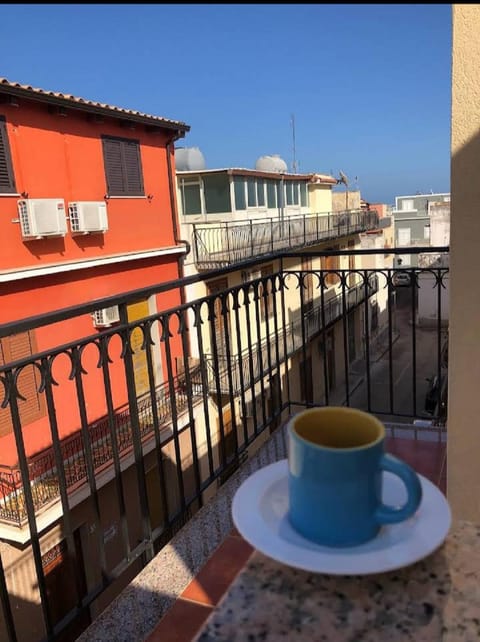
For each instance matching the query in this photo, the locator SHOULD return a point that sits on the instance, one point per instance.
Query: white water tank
(271, 163)
(189, 159)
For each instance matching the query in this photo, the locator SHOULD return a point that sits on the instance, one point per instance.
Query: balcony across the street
(221, 244)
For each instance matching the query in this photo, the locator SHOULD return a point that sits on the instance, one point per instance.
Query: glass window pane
(252, 192)
(271, 193)
(296, 199)
(239, 188)
(191, 203)
(303, 195)
(261, 192)
(217, 194)
(404, 236)
(280, 194)
(289, 189)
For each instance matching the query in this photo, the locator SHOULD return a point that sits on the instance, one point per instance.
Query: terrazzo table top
(436, 599)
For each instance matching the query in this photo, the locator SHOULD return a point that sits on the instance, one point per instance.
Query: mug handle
(389, 515)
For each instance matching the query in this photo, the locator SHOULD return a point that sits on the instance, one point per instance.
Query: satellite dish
(343, 179)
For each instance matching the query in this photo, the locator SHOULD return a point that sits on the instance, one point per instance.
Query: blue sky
(369, 85)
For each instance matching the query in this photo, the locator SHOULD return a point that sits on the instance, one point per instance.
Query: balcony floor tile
(180, 623)
(218, 573)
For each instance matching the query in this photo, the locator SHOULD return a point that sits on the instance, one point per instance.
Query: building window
(216, 188)
(331, 263)
(239, 190)
(289, 191)
(404, 236)
(12, 348)
(252, 192)
(7, 180)
(220, 318)
(191, 203)
(261, 192)
(406, 204)
(271, 193)
(303, 195)
(265, 271)
(292, 189)
(123, 167)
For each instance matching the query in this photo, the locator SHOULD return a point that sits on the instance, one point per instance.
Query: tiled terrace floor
(183, 621)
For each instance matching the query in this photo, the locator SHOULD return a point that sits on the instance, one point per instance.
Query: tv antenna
(294, 163)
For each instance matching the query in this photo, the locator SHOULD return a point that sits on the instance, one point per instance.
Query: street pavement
(404, 391)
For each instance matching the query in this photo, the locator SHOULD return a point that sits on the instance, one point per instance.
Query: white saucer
(260, 508)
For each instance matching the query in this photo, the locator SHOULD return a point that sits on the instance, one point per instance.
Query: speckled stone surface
(437, 599)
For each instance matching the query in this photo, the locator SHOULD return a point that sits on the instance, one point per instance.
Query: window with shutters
(7, 180)
(307, 282)
(12, 348)
(221, 317)
(331, 263)
(123, 166)
(267, 300)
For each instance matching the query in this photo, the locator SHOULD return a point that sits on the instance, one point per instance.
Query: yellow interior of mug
(338, 427)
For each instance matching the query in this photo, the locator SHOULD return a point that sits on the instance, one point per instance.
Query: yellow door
(139, 311)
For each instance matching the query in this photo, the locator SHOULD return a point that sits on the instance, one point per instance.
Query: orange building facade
(87, 211)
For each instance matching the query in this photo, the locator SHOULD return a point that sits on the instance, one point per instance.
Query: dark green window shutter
(123, 168)
(7, 180)
(112, 156)
(133, 168)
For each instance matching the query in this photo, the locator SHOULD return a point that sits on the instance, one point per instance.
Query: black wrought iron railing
(235, 364)
(311, 323)
(225, 243)
(43, 473)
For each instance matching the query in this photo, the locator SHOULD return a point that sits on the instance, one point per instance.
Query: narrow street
(408, 397)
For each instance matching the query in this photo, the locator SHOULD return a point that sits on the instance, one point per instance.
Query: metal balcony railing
(43, 473)
(289, 339)
(221, 244)
(301, 329)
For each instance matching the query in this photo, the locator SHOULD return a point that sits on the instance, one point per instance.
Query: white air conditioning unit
(88, 216)
(41, 217)
(105, 317)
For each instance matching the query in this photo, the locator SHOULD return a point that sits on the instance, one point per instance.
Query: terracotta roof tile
(73, 101)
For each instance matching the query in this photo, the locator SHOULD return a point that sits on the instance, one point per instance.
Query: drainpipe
(173, 206)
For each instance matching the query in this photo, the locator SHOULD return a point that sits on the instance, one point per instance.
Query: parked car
(401, 279)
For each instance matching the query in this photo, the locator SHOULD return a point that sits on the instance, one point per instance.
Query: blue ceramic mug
(335, 463)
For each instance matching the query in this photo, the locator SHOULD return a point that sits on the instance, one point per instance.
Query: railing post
(271, 232)
(195, 242)
(230, 258)
(135, 431)
(304, 230)
(251, 238)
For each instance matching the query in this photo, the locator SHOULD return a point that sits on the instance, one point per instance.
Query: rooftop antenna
(294, 163)
(343, 179)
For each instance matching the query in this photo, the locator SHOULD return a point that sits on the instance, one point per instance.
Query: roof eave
(28, 94)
